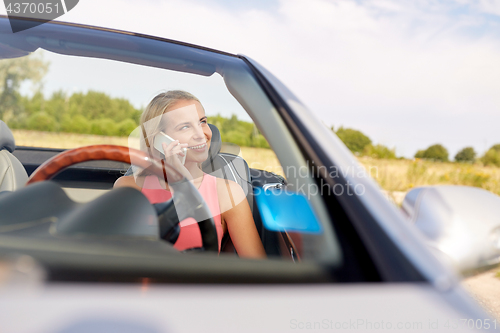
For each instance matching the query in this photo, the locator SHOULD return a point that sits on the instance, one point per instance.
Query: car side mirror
(283, 210)
(462, 223)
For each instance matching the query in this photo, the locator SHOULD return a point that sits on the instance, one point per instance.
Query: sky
(408, 74)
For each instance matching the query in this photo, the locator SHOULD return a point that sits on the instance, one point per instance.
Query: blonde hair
(151, 117)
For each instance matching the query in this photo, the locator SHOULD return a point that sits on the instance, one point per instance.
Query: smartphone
(162, 137)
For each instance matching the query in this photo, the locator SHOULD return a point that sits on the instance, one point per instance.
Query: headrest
(7, 139)
(215, 145)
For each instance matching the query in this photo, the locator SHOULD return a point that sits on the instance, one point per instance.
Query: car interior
(17, 163)
(22, 161)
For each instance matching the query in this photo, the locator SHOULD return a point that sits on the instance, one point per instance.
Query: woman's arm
(127, 181)
(239, 220)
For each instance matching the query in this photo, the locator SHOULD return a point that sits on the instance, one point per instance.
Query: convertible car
(77, 255)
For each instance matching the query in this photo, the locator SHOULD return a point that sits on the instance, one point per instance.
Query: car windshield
(198, 111)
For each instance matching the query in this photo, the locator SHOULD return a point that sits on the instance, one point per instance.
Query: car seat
(227, 166)
(12, 172)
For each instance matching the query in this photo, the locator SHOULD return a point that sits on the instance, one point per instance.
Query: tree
(239, 132)
(126, 127)
(353, 139)
(379, 151)
(13, 72)
(237, 137)
(496, 147)
(260, 142)
(420, 154)
(104, 126)
(435, 152)
(491, 157)
(75, 124)
(42, 121)
(467, 154)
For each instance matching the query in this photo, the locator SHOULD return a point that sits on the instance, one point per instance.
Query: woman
(181, 116)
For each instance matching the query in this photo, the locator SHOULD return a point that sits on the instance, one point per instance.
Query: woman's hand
(173, 157)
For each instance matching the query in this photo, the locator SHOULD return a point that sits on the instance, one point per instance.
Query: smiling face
(185, 121)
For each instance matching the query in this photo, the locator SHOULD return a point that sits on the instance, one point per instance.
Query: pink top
(190, 235)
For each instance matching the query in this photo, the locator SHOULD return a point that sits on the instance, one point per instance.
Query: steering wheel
(187, 201)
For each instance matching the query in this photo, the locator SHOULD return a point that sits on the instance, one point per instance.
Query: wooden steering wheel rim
(97, 152)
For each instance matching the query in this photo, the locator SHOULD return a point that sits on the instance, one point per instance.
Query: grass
(64, 140)
(392, 175)
(261, 158)
(402, 175)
